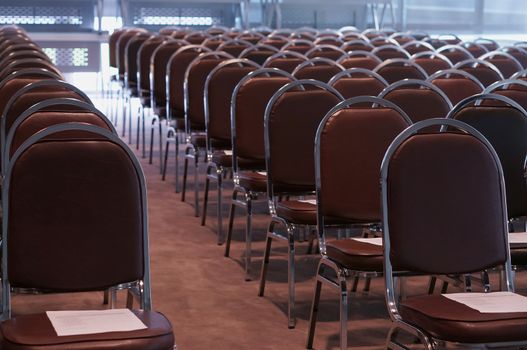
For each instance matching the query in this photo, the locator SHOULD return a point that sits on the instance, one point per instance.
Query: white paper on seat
(373, 240)
(264, 173)
(518, 238)
(228, 152)
(94, 321)
(310, 201)
(496, 302)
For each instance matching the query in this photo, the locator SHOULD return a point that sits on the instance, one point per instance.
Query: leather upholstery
(359, 62)
(131, 57)
(485, 75)
(457, 88)
(331, 54)
(259, 56)
(444, 198)
(112, 43)
(145, 54)
(178, 68)
(393, 73)
(432, 65)
(359, 86)
(505, 128)
(389, 53)
(455, 56)
(448, 320)
(86, 217)
(297, 212)
(419, 104)
(161, 58)
(286, 64)
(355, 255)
(35, 331)
(506, 66)
(320, 73)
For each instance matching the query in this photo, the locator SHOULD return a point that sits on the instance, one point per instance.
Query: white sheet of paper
(310, 201)
(94, 321)
(374, 240)
(228, 152)
(517, 237)
(264, 173)
(496, 302)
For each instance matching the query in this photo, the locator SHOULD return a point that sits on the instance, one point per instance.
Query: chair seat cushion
(448, 320)
(297, 212)
(356, 255)
(225, 160)
(253, 181)
(35, 331)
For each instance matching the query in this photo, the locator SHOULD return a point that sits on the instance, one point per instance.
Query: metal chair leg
(177, 189)
(291, 279)
(196, 184)
(165, 161)
(160, 127)
(185, 172)
(248, 237)
(219, 175)
(129, 299)
(314, 309)
(265, 265)
(343, 313)
(125, 103)
(143, 130)
(231, 222)
(206, 195)
(129, 112)
(152, 126)
(138, 128)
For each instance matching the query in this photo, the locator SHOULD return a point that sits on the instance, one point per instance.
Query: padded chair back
(249, 100)
(158, 69)
(218, 90)
(88, 216)
(20, 54)
(194, 85)
(394, 70)
(386, 52)
(431, 62)
(234, 47)
(506, 63)
(258, 53)
(122, 43)
(514, 89)
(318, 68)
(26, 63)
(413, 47)
(456, 84)
(455, 53)
(131, 57)
(356, 82)
(275, 41)
(419, 99)
(357, 45)
(196, 38)
(459, 177)
(298, 45)
(475, 49)
(504, 124)
(327, 51)
(292, 117)
(144, 56)
(112, 45)
(519, 53)
(360, 59)
(484, 71)
(342, 138)
(285, 60)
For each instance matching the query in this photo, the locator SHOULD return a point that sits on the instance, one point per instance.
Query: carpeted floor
(206, 297)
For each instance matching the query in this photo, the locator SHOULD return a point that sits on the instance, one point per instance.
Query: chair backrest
(515, 89)
(158, 69)
(474, 48)
(456, 84)
(144, 55)
(358, 44)
(360, 59)
(328, 40)
(413, 47)
(26, 63)
(131, 53)
(327, 51)
(285, 60)
(386, 52)
(517, 52)
(275, 41)
(20, 47)
(194, 85)
(396, 69)
(356, 82)
(318, 68)
(248, 103)
(47, 113)
(218, 90)
(234, 47)
(112, 45)
(455, 53)
(450, 39)
(196, 38)
(419, 99)
(350, 138)
(486, 72)
(489, 44)
(19, 54)
(292, 117)
(258, 53)
(298, 45)
(122, 43)
(463, 207)
(505, 62)
(106, 185)
(431, 62)
(504, 124)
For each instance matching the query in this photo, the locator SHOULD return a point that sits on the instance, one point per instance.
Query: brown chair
(360, 59)
(285, 60)
(402, 38)
(251, 36)
(186, 115)
(503, 122)
(436, 43)
(474, 48)
(215, 41)
(196, 38)
(318, 68)
(449, 38)
(357, 44)
(455, 53)
(413, 47)
(397, 69)
(518, 52)
(115, 193)
(356, 82)
(419, 99)
(456, 84)
(383, 41)
(112, 45)
(350, 138)
(515, 89)
(234, 47)
(298, 45)
(507, 64)
(258, 53)
(465, 209)
(27, 63)
(328, 40)
(431, 62)
(276, 41)
(486, 72)
(19, 54)
(248, 103)
(296, 109)
(328, 51)
(218, 90)
(386, 52)
(489, 44)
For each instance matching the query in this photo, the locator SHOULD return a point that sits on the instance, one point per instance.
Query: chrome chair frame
(391, 47)
(348, 73)
(401, 61)
(321, 48)
(289, 238)
(313, 62)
